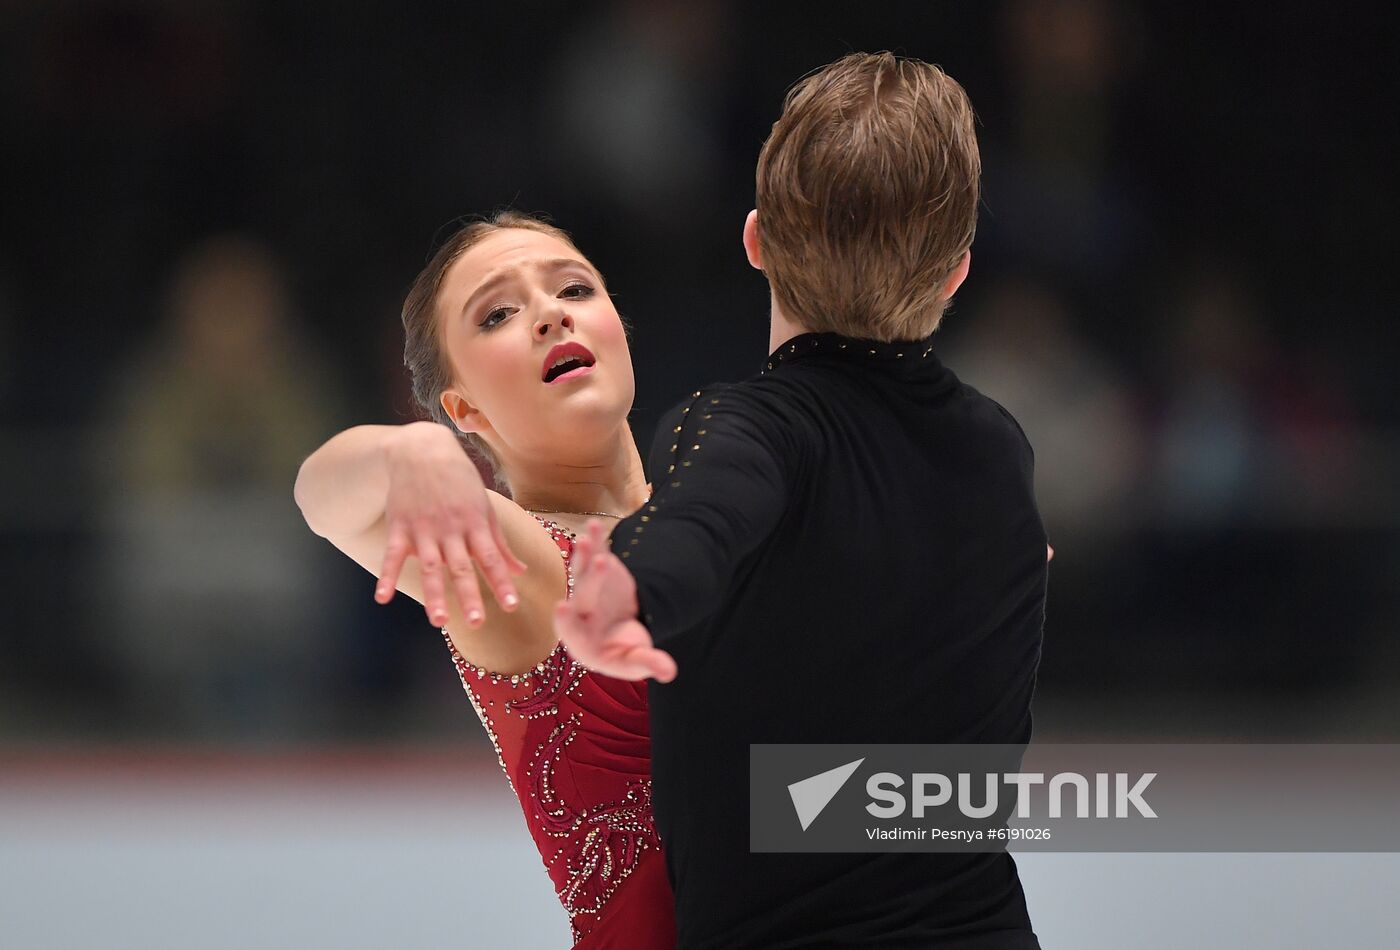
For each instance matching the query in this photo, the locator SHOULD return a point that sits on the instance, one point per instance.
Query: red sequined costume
(576, 748)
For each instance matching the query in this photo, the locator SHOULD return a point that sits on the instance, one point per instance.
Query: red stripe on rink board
(354, 763)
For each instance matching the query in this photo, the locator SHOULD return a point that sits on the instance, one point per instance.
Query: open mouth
(567, 359)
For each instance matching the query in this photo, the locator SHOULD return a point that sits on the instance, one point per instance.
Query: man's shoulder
(758, 411)
(758, 398)
(991, 414)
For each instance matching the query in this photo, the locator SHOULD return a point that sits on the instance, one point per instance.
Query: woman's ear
(751, 247)
(465, 416)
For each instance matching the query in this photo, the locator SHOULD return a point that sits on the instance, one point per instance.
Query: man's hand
(598, 624)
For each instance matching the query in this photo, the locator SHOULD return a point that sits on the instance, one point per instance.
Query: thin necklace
(553, 511)
(601, 514)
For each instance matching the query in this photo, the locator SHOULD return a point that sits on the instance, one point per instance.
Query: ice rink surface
(354, 853)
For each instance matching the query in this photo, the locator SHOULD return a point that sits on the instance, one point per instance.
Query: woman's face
(505, 308)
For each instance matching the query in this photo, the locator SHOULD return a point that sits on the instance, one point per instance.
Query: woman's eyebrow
(508, 273)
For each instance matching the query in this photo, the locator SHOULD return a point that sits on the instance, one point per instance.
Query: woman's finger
(463, 575)
(396, 550)
(516, 565)
(430, 563)
(493, 565)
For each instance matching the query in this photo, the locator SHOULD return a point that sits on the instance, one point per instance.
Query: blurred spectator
(1058, 196)
(212, 583)
(632, 114)
(1246, 431)
(1020, 349)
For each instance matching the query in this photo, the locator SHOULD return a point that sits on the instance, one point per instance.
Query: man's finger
(598, 533)
(565, 620)
(587, 589)
(658, 664)
(616, 587)
(583, 551)
(569, 630)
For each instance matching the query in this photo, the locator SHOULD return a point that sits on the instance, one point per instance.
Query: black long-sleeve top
(843, 548)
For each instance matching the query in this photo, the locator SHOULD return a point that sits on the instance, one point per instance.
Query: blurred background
(1183, 287)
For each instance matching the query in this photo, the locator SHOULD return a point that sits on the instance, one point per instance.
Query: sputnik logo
(811, 795)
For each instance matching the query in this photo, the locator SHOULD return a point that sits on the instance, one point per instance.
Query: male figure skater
(844, 548)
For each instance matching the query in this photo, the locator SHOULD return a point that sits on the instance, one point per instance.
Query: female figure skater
(515, 348)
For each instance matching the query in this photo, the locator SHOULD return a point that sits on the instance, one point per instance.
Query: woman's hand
(437, 510)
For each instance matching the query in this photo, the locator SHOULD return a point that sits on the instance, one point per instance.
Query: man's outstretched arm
(721, 467)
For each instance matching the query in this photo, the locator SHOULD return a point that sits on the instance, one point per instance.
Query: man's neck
(780, 327)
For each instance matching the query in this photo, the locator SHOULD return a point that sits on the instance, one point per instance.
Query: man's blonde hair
(867, 196)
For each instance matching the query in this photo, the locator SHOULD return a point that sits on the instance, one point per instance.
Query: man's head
(867, 198)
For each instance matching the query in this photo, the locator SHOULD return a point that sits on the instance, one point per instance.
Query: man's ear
(751, 247)
(959, 274)
(465, 416)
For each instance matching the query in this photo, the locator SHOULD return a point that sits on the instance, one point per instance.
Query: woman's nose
(547, 322)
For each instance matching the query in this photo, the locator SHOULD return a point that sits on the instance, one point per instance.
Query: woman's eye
(488, 322)
(576, 290)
